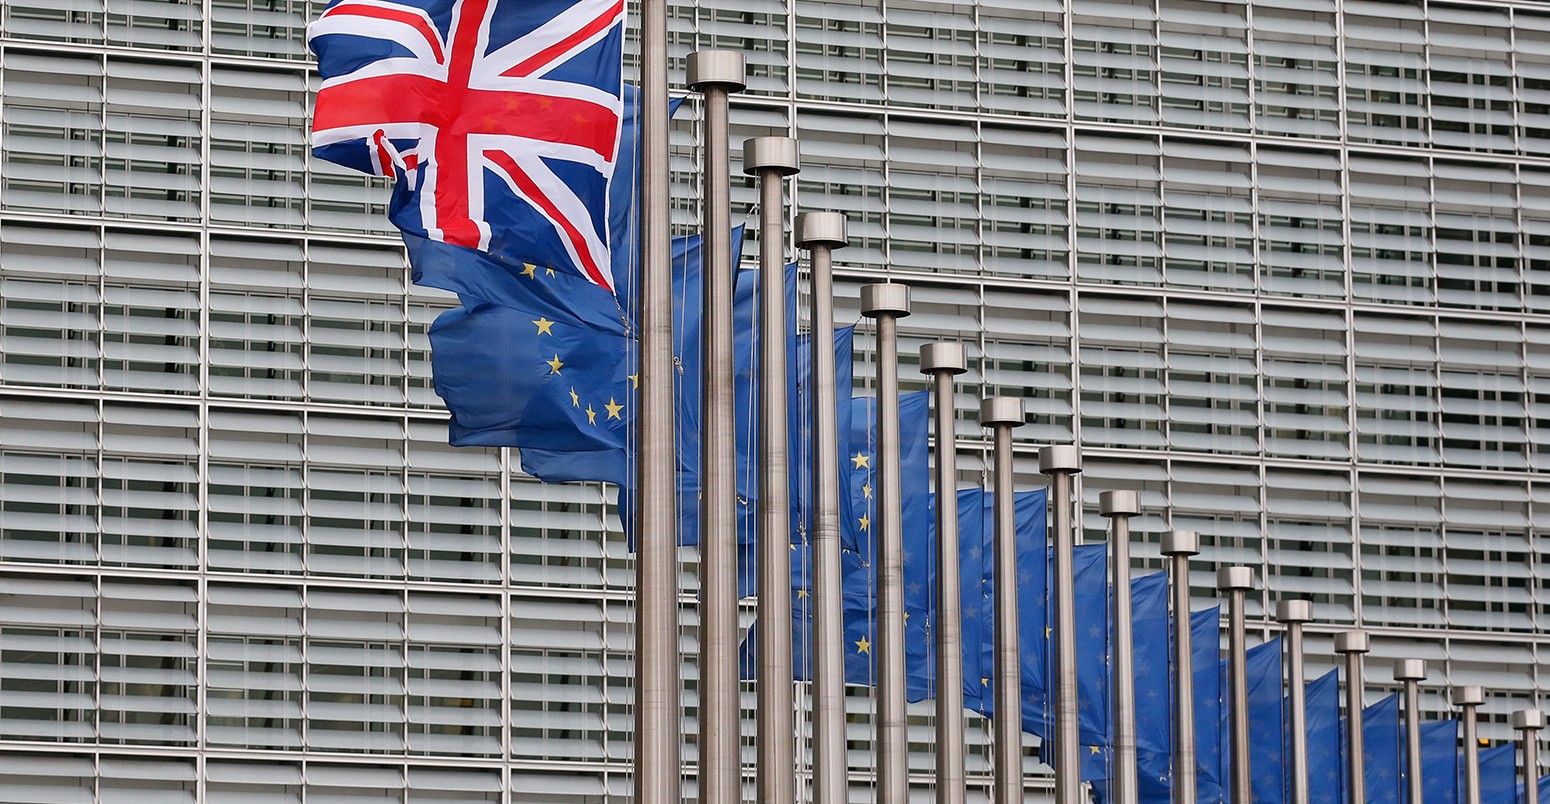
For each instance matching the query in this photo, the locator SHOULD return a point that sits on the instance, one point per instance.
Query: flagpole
(1352, 644)
(1466, 698)
(657, 754)
(1236, 582)
(1178, 546)
(1120, 506)
(1001, 414)
(820, 233)
(1061, 462)
(888, 303)
(943, 361)
(1528, 722)
(1292, 614)
(716, 74)
(1409, 672)
(772, 159)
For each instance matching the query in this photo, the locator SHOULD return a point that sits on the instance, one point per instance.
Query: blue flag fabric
(1499, 773)
(1206, 650)
(976, 533)
(1090, 562)
(1440, 761)
(1150, 622)
(1326, 781)
(1382, 770)
(1266, 723)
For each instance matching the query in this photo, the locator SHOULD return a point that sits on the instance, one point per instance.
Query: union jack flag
(500, 118)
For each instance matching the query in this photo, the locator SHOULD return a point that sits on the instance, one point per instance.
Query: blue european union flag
(1091, 566)
(1380, 746)
(1266, 725)
(1326, 780)
(1498, 773)
(1440, 764)
(976, 552)
(1206, 649)
(1150, 638)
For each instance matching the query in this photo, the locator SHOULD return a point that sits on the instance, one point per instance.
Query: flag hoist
(1000, 414)
(887, 304)
(942, 362)
(820, 233)
(1293, 614)
(1236, 582)
(1467, 698)
(716, 74)
(1178, 546)
(1061, 462)
(1351, 645)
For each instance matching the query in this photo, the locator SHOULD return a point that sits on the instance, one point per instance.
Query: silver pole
(1236, 582)
(1528, 722)
(1466, 698)
(1001, 414)
(1410, 672)
(1179, 545)
(887, 304)
(820, 233)
(716, 73)
(943, 361)
(771, 159)
(1353, 644)
(657, 754)
(1061, 462)
(1292, 614)
(1120, 506)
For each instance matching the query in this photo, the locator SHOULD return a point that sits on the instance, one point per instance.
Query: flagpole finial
(821, 229)
(999, 410)
(1294, 611)
(943, 356)
(1233, 578)
(1060, 458)
(1352, 642)
(1119, 502)
(775, 154)
(1468, 695)
(1181, 543)
(717, 68)
(1527, 720)
(885, 299)
(1410, 670)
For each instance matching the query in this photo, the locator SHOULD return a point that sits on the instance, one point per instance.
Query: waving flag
(500, 118)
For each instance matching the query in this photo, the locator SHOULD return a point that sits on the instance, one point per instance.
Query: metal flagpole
(1409, 672)
(772, 159)
(1061, 462)
(943, 361)
(820, 233)
(887, 304)
(1352, 644)
(1001, 414)
(1120, 506)
(1178, 546)
(657, 686)
(1292, 614)
(1466, 698)
(1528, 722)
(1236, 582)
(716, 73)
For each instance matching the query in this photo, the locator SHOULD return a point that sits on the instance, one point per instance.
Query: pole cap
(1527, 720)
(1409, 670)
(1180, 543)
(1120, 502)
(999, 410)
(771, 153)
(1234, 578)
(1468, 695)
(945, 356)
(1060, 458)
(885, 299)
(717, 68)
(1352, 642)
(1294, 611)
(817, 229)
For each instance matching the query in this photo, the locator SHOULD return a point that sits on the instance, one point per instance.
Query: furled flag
(1326, 778)
(1381, 752)
(1440, 764)
(976, 555)
(1266, 722)
(1090, 562)
(1150, 637)
(500, 118)
(1205, 634)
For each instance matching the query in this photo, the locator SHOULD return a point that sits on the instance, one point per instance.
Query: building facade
(1281, 266)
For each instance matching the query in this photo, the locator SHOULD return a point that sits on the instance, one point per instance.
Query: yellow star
(528, 270)
(801, 594)
(863, 645)
(1093, 749)
(613, 408)
(549, 271)
(575, 400)
(862, 461)
(545, 326)
(1047, 631)
(866, 491)
(906, 618)
(635, 381)
(866, 522)
(984, 681)
(591, 415)
(554, 364)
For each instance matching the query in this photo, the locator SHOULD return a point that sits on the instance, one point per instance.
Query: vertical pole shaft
(820, 233)
(1293, 613)
(716, 73)
(1120, 506)
(1001, 414)
(1466, 698)
(1352, 644)
(942, 361)
(657, 689)
(1061, 462)
(1409, 673)
(887, 303)
(771, 158)
(1528, 722)
(1179, 545)
(1237, 581)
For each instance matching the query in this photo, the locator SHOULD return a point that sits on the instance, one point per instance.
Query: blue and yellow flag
(1267, 724)
(1440, 761)
(1326, 770)
(1381, 766)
